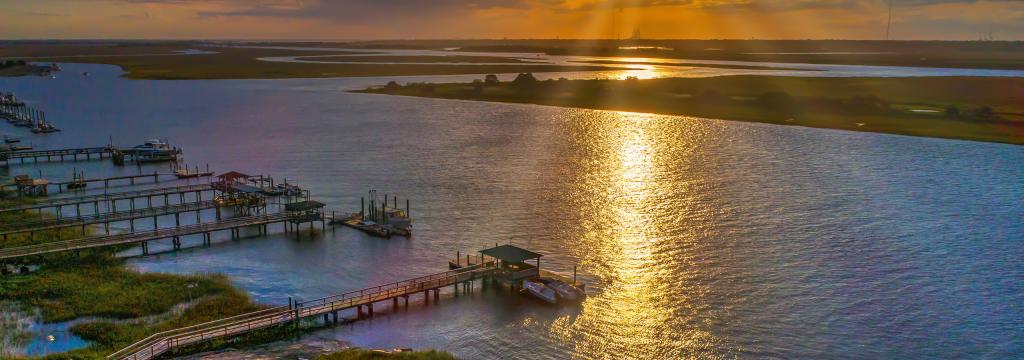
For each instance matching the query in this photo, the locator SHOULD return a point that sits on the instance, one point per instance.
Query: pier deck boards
(58, 154)
(37, 225)
(148, 235)
(157, 344)
(102, 198)
(63, 185)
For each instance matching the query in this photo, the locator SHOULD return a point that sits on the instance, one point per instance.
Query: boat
(288, 189)
(565, 291)
(154, 150)
(10, 140)
(539, 291)
(356, 221)
(188, 174)
(43, 127)
(21, 147)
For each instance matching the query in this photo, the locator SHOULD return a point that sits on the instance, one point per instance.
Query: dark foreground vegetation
(127, 304)
(971, 108)
(123, 306)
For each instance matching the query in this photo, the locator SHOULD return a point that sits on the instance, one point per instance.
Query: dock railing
(158, 343)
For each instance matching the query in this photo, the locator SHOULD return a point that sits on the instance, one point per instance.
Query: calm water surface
(698, 238)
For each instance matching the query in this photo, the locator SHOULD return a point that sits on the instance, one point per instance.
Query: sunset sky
(413, 19)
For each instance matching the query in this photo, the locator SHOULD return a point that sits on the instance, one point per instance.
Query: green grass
(362, 354)
(93, 283)
(860, 104)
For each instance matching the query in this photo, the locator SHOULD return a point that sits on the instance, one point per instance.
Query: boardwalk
(148, 235)
(157, 344)
(42, 224)
(57, 154)
(103, 198)
(64, 185)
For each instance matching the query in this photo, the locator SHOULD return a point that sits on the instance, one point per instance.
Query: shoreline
(922, 107)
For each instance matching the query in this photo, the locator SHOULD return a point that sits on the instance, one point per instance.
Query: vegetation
(161, 61)
(130, 305)
(415, 59)
(361, 354)
(976, 108)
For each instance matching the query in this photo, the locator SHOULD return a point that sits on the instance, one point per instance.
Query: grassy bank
(132, 305)
(971, 108)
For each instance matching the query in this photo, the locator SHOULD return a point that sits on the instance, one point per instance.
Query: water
(654, 67)
(698, 238)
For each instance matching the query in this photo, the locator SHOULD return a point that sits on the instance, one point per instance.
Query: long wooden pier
(58, 154)
(233, 224)
(159, 343)
(110, 199)
(44, 224)
(43, 187)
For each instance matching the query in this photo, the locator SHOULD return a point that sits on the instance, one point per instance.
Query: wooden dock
(87, 153)
(430, 286)
(45, 224)
(233, 224)
(81, 183)
(110, 199)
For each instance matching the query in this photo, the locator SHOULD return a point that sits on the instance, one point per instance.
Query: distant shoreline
(928, 107)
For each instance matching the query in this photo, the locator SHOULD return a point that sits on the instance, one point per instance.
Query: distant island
(971, 108)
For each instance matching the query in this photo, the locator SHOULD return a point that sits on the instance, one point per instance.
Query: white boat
(538, 290)
(155, 150)
(564, 291)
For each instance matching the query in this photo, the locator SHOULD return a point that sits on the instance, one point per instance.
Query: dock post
(437, 294)
(369, 309)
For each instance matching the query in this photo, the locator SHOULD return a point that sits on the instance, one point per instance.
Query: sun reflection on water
(649, 306)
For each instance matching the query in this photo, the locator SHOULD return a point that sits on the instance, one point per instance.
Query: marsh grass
(94, 283)
(857, 104)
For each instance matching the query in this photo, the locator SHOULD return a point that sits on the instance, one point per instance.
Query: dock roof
(510, 253)
(231, 175)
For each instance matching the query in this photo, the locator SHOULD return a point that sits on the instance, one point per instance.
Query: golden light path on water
(631, 191)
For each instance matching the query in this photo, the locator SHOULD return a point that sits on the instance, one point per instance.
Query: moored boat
(540, 291)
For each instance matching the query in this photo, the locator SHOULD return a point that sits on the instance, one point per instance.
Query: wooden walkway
(63, 185)
(57, 154)
(148, 235)
(42, 224)
(102, 198)
(159, 343)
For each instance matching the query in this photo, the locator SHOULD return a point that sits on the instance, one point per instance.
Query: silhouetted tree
(953, 111)
(984, 113)
(491, 79)
(392, 86)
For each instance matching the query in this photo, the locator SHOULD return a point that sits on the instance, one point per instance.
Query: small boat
(565, 291)
(540, 291)
(356, 221)
(187, 174)
(10, 140)
(21, 147)
(288, 189)
(44, 128)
